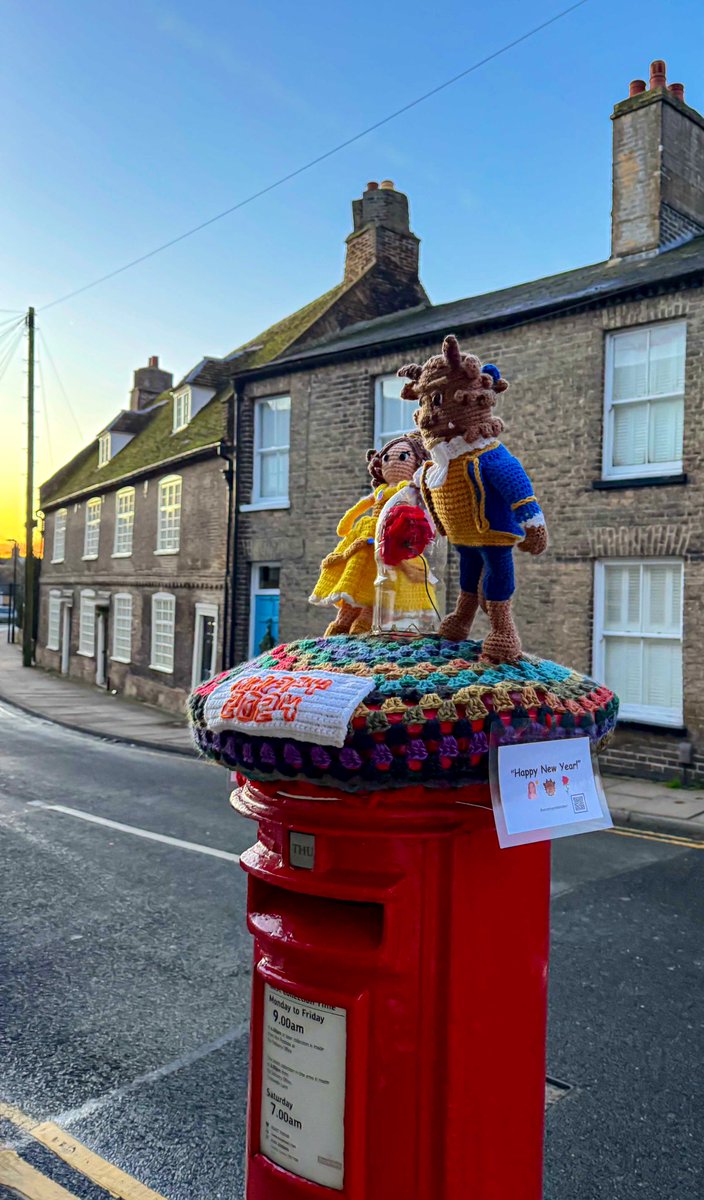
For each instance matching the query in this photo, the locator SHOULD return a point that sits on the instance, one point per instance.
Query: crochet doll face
(398, 460)
(455, 396)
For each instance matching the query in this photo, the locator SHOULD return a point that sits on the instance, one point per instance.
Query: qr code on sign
(579, 802)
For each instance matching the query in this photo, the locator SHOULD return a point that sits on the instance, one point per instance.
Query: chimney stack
(658, 167)
(381, 239)
(148, 383)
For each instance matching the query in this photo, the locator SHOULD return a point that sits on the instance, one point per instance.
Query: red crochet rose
(406, 533)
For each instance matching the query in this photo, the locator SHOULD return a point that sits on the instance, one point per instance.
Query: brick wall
(194, 575)
(554, 419)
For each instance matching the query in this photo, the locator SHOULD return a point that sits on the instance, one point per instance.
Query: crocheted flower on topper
(477, 493)
(406, 534)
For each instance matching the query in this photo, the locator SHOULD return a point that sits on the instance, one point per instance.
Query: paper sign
(546, 789)
(303, 1087)
(308, 706)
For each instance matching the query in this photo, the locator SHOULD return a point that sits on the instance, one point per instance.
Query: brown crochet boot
(503, 643)
(346, 615)
(457, 624)
(362, 623)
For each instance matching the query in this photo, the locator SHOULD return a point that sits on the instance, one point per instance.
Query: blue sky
(125, 125)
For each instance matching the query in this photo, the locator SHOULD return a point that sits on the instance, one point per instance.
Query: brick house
(136, 574)
(606, 364)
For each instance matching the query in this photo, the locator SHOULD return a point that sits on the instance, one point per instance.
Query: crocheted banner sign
(310, 706)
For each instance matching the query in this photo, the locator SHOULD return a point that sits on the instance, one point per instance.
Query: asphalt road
(125, 970)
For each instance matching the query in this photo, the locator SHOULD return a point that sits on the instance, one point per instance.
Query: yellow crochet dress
(351, 570)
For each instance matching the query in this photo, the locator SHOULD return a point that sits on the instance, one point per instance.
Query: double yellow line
(31, 1184)
(650, 835)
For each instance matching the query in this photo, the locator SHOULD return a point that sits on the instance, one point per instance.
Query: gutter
(238, 397)
(590, 298)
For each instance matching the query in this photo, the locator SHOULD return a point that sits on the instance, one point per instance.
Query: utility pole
(28, 620)
(12, 616)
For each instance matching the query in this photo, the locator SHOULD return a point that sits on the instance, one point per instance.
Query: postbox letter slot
(315, 921)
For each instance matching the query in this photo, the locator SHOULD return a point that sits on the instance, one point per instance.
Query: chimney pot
(658, 74)
(372, 187)
(677, 90)
(388, 185)
(636, 86)
(154, 360)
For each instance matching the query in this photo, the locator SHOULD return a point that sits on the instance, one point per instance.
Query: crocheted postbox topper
(476, 491)
(368, 713)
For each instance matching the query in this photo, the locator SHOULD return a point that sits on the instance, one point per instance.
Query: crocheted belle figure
(347, 575)
(477, 492)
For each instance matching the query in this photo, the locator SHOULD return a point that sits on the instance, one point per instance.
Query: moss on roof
(156, 442)
(277, 338)
(148, 448)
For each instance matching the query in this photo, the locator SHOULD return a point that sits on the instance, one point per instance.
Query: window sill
(264, 505)
(116, 658)
(122, 554)
(89, 557)
(55, 649)
(57, 561)
(161, 552)
(85, 654)
(637, 481)
(162, 670)
(654, 726)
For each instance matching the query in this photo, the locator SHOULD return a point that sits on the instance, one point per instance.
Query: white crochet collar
(442, 455)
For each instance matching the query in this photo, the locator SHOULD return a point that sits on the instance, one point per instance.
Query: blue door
(265, 631)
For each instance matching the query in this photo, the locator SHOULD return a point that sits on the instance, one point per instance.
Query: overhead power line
(313, 162)
(62, 389)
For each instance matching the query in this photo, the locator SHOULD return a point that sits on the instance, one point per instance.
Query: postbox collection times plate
(542, 790)
(303, 1087)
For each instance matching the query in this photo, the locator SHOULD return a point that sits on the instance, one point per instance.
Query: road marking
(120, 1185)
(15, 1173)
(89, 1107)
(650, 835)
(134, 829)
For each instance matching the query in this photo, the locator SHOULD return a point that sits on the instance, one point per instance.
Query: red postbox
(399, 997)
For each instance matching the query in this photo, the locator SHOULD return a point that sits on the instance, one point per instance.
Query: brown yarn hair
(455, 396)
(375, 457)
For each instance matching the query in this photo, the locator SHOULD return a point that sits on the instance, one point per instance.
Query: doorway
(65, 637)
(205, 643)
(101, 647)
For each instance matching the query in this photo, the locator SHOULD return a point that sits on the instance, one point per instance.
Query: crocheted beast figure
(477, 492)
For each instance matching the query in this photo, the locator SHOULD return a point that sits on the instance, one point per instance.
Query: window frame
(154, 666)
(255, 591)
(54, 607)
(95, 504)
(635, 470)
(114, 657)
(645, 714)
(123, 492)
(55, 557)
(87, 595)
(104, 455)
(259, 501)
(380, 437)
(168, 481)
(183, 405)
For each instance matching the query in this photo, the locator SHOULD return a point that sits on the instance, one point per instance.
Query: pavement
(88, 709)
(125, 973)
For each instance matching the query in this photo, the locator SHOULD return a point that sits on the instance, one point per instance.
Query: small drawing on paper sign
(532, 790)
